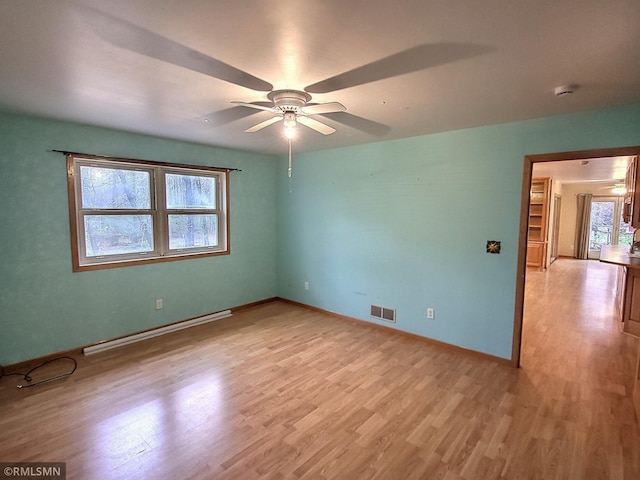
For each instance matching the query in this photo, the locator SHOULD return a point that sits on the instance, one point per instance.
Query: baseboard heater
(156, 332)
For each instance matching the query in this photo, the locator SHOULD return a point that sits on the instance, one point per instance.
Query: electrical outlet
(306, 285)
(159, 304)
(431, 313)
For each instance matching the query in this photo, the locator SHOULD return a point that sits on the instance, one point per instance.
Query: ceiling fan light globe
(619, 190)
(289, 119)
(289, 132)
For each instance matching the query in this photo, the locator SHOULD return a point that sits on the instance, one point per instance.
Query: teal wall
(404, 224)
(46, 308)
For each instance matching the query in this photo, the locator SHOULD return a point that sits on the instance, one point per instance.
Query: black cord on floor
(27, 376)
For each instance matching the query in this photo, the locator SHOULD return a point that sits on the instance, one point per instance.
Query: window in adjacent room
(126, 212)
(606, 226)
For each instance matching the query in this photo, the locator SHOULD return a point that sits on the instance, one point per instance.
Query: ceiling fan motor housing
(289, 100)
(292, 107)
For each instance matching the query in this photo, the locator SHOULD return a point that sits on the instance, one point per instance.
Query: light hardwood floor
(280, 391)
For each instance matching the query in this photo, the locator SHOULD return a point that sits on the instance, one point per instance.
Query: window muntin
(124, 212)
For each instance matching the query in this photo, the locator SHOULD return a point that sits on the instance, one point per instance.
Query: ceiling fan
(292, 107)
(289, 106)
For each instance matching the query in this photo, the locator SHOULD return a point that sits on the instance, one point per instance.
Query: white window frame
(158, 212)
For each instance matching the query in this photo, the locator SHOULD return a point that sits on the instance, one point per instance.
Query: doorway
(529, 161)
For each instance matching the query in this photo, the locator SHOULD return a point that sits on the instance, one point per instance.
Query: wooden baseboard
(77, 352)
(432, 341)
(253, 304)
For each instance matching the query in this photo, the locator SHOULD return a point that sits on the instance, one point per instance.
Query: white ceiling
(158, 66)
(610, 169)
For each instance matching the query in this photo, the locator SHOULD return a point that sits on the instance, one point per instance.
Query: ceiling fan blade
(367, 126)
(315, 125)
(322, 108)
(407, 61)
(256, 105)
(264, 124)
(145, 42)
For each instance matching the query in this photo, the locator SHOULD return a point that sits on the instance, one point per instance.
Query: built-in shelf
(538, 222)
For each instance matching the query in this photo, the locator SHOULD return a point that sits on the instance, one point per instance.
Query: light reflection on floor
(147, 436)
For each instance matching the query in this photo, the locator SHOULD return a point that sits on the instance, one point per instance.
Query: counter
(628, 293)
(628, 285)
(619, 255)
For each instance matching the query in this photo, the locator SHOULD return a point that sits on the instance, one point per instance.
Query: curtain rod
(66, 152)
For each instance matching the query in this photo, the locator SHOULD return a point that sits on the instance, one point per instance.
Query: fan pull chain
(289, 170)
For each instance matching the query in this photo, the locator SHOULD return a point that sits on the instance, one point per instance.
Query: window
(127, 212)
(606, 226)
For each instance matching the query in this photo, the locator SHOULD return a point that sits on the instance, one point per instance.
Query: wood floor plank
(281, 391)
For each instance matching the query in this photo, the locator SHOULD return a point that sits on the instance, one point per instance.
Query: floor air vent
(388, 314)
